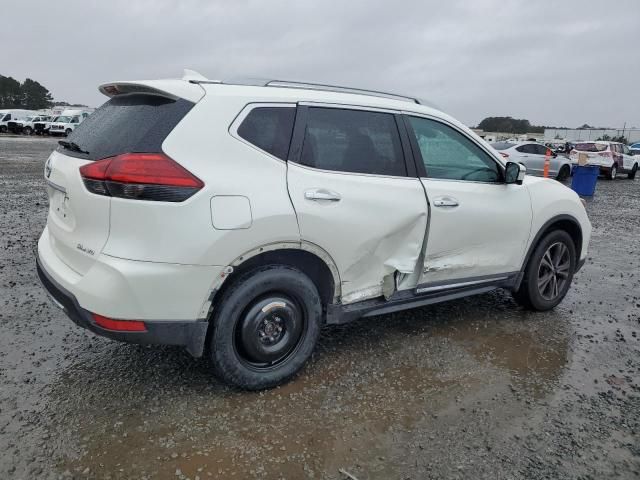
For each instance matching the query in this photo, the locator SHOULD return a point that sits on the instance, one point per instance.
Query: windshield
(502, 145)
(63, 119)
(591, 147)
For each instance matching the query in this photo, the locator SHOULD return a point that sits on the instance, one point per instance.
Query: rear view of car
(110, 165)
(611, 157)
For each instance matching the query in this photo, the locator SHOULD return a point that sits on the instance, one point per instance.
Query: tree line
(28, 95)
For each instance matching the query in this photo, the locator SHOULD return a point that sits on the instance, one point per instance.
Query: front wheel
(28, 130)
(67, 132)
(265, 327)
(548, 274)
(564, 173)
(632, 173)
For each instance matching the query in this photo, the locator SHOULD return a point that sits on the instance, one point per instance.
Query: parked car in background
(533, 156)
(28, 125)
(237, 219)
(42, 123)
(10, 120)
(611, 157)
(635, 148)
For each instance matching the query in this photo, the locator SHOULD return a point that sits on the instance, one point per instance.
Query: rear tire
(265, 327)
(613, 172)
(633, 172)
(564, 173)
(549, 272)
(28, 130)
(3, 129)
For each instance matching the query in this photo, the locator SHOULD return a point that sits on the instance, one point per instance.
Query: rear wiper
(74, 147)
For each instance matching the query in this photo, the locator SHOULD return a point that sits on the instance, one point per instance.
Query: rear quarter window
(127, 123)
(269, 129)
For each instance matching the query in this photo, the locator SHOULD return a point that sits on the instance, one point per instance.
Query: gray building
(580, 134)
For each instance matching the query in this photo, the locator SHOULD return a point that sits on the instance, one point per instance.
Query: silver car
(533, 155)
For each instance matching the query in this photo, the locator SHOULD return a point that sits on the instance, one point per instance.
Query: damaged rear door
(355, 197)
(479, 226)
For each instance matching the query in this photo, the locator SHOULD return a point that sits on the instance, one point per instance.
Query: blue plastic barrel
(585, 179)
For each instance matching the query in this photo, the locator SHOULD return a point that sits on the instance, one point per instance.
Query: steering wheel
(481, 169)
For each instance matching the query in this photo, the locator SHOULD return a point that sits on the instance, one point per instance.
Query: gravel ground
(476, 388)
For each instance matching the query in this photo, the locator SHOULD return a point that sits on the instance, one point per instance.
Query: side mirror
(514, 173)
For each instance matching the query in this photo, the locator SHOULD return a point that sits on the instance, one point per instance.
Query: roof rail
(263, 82)
(339, 89)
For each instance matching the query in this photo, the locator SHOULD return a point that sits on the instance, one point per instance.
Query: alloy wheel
(553, 271)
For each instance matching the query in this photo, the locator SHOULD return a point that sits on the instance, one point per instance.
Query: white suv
(237, 219)
(611, 157)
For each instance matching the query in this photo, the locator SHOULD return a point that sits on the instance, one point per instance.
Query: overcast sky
(554, 63)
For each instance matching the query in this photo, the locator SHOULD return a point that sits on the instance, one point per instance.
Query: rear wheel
(632, 173)
(564, 173)
(613, 172)
(28, 130)
(266, 327)
(3, 129)
(548, 273)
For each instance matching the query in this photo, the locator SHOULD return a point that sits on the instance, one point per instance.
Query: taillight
(140, 176)
(119, 325)
(504, 155)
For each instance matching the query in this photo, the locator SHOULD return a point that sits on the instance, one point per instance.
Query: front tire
(265, 327)
(564, 173)
(67, 132)
(28, 130)
(632, 173)
(548, 273)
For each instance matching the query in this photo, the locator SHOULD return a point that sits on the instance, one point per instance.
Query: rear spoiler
(170, 88)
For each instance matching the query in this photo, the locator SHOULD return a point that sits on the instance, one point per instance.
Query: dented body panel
(375, 230)
(485, 234)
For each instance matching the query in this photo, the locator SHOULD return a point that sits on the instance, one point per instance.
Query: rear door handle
(445, 202)
(322, 194)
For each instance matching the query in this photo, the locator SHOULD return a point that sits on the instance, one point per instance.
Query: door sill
(425, 294)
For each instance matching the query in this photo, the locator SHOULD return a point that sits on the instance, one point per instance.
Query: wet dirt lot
(475, 388)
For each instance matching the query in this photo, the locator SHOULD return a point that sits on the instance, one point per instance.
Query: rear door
(531, 158)
(478, 226)
(355, 197)
(78, 221)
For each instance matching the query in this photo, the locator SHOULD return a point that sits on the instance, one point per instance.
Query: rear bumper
(188, 334)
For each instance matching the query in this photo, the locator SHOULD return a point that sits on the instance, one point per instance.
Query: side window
(448, 154)
(75, 120)
(541, 149)
(269, 129)
(353, 141)
(626, 150)
(526, 148)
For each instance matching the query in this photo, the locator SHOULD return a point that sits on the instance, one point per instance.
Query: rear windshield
(502, 145)
(127, 123)
(591, 147)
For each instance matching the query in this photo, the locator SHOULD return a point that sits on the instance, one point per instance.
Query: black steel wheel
(265, 327)
(269, 331)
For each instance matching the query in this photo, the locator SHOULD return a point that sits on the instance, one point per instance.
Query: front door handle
(445, 202)
(322, 194)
